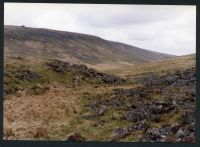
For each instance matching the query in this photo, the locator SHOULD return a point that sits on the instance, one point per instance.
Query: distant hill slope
(72, 47)
(159, 67)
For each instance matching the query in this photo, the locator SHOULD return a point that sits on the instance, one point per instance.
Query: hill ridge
(72, 46)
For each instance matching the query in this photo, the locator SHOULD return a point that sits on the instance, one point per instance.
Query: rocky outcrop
(84, 72)
(27, 75)
(172, 94)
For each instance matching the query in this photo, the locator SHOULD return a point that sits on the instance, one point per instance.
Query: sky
(166, 29)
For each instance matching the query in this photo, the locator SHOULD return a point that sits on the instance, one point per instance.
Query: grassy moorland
(47, 99)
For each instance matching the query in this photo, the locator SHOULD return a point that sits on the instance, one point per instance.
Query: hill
(73, 47)
(51, 91)
(150, 106)
(157, 67)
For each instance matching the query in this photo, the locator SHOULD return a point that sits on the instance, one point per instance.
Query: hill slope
(158, 67)
(153, 107)
(73, 47)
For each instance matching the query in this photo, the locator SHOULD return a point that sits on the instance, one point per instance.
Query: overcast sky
(167, 29)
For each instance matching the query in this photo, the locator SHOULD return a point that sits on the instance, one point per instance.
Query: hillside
(43, 101)
(73, 47)
(157, 67)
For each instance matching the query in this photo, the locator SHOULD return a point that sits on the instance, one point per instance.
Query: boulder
(134, 116)
(119, 133)
(154, 133)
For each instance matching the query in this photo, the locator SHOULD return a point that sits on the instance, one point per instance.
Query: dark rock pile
(170, 133)
(183, 77)
(172, 94)
(27, 75)
(59, 66)
(84, 72)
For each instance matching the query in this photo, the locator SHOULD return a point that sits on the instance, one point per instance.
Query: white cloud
(167, 29)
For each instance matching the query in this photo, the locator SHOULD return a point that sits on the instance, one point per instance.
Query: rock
(170, 79)
(161, 134)
(102, 111)
(158, 109)
(179, 133)
(154, 133)
(162, 107)
(175, 128)
(165, 131)
(188, 117)
(75, 137)
(59, 66)
(191, 127)
(156, 118)
(19, 93)
(85, 72)
(116, 103)
(189, 139)
(144, 138)
(101, 123)
(144, 125)
(88, 115)
(134, 116)
(119, 134)
(27, 75)
(148, 102)
(111, 79)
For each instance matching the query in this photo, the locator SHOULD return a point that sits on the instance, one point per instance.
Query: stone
(19, 93)
(189, 139)
(179, 133)
(27, 75)
(134, 116)
(188, 117)
(88, 115)
(119, 133)
(59, 66)
(175, 128)
(75, 137)
(101, 123)
(154, 133)
(102, 111)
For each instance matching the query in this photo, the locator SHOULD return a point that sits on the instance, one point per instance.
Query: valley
(62, 90)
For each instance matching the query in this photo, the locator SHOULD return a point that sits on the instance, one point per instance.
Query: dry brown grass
(154, 67)
(37, 113)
